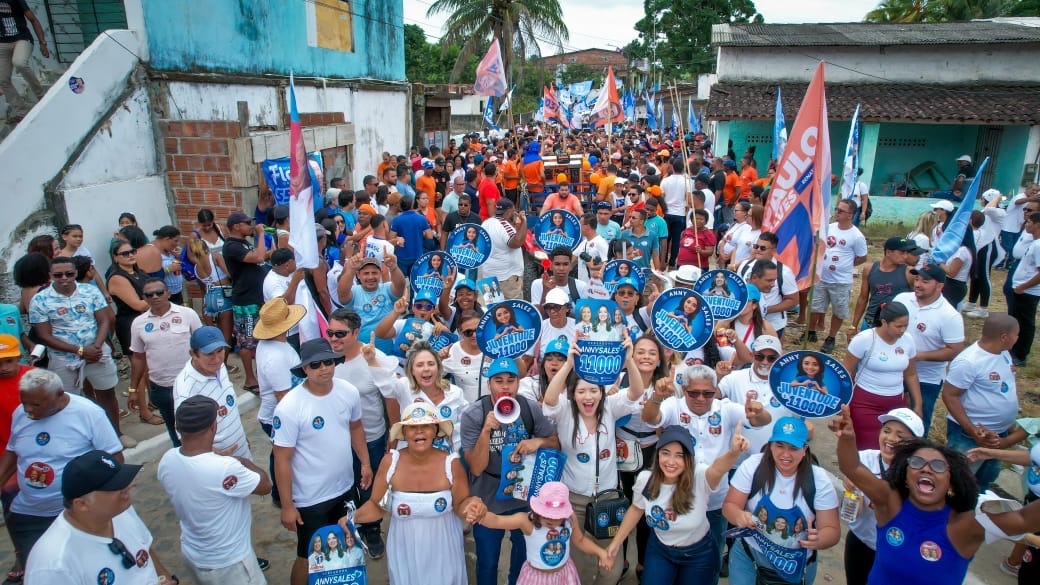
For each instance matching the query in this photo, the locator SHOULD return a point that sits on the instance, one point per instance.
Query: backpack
(745, 274)
(525, 416)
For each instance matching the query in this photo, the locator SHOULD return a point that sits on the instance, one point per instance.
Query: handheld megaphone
(507, 409)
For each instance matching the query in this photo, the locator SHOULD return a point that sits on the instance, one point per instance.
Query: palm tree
(518, 24)
(899, 11)
(949, 10)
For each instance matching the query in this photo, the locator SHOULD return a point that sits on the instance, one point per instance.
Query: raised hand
(390, 261)
(368, 350)
(740, 443)
(752, 408)
(841, 424)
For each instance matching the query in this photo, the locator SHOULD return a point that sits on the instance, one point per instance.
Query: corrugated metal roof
(870, 34)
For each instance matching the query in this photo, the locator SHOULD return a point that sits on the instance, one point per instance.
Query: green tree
(578, 72)
(518, 24)
(950, 10)
(429, 63)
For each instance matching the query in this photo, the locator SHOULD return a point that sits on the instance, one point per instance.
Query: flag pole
(673, 93)
(812, 289)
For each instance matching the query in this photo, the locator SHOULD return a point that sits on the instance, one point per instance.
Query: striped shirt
(229, 423)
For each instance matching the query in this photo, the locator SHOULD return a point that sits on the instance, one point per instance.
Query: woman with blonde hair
(424, 382)
(922, 233)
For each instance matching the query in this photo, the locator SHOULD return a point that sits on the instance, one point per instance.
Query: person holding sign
(586, 418)
(673, 497)
(774, 494)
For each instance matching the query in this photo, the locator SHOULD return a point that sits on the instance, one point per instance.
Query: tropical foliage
(950, 10)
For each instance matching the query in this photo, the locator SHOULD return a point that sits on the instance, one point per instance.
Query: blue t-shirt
(372, 307)
(11, 323)
(657, 225)
(349, 221)
(410, 226)
(648, 243)
(609, 232)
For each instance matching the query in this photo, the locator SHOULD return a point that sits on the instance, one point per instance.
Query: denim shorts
(218, 300)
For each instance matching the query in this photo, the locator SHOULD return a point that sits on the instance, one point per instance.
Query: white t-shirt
(274, 359)
(275, 285)
(865, 525)
(65, 555)
(732, 236)
(737, 386)
(932, 327)
(318, 429)
(990, 227)
(843, 247)
(449, 408)
(674, 188)
(378, 248)
(672, 529)
(504, 262)
(990, 395)
(781, 501)
(775, 296)
(881, 364)
(466, 368)
(579, 472)
(712, 432)
(965, 256)
(1028, 266)
(44, 447)
(549, 333)
(368, 381)
(210, 493)
(709, 206)
(1014, 215)
(596, 248)
(743, 243)
(537, 287)
(229, 423)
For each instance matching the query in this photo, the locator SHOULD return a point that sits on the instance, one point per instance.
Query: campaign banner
(469, 245)
(599, 331)
(490, 291)
(431, 270)
(276, 172)
(724, 291)
(810, 383)
(524, 475)
(416, 330)
(556, 228)
(617, 269)
(682, 319)
(508, 329)
(788, 561)
(336, 556)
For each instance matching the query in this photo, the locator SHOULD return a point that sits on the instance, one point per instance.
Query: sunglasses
(695, 394)
(423, 306)
(757, 247)
(469, 332)
(552, 307)
(338, 334)
(761, 357)
(117, 547)
(918, 462)
(127, 254)
(318, 364)
(153, 294)
(68, 274)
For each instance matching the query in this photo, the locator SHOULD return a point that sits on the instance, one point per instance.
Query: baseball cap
(368, 209)
(465, 283)
(900, 244)
(729, 164)
(945, 205)
(197, 413)
(280, 212)
(237, 217)
(438, 161)
(207, 339)
(557, 297)
(964, 158)
(603, 205)
(281, 256)
(503, 205)
(368, 260)
(753, 294)
(989, 194)
(95, 471)
(628, 281)
(620, 181)
(907, 417)
(9, 347)
(477, 159)
(558, 345)
(425, 294)
(767, 342)
(428, 164)
(503, 366)
(930, 272)
(790, 430)
(676, 434)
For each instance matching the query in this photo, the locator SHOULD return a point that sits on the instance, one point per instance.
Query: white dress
(425, 521)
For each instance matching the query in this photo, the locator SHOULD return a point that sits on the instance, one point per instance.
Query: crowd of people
(362, 428)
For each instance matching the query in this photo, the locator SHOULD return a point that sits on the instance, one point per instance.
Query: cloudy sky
(608, 23)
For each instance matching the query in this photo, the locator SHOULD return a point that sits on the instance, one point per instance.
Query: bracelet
(79, 351)
(657, 402)
(131, 390)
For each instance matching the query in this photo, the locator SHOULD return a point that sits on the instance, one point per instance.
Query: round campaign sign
(557, 227)
(682, 319)
(724, 291)
(469, 245)
(810, 383)
(430, 271)
(508, 329)
(617, 269)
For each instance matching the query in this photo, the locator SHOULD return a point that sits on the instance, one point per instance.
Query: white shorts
(244, 572)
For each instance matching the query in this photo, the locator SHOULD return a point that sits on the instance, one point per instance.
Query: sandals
(123, 413)
(153, 419)
(233, 369)
(253, 389)
(15, 576)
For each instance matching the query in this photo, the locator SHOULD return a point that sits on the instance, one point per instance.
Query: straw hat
(277, 317)
(420, 413)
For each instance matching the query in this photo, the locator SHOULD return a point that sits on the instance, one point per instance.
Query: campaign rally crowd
(406, 442)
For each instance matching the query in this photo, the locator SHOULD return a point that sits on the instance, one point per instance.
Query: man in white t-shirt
(558, 323)
(677, 189)
(860, 195)
(783, 295)
(49, 429)
(315, 427)
(1013, 220)
(1025, 290)
(845, 249)
(591, 252)
(286, 281)
(938, 332)
(210, 493)
(740, 385)
(507, 229)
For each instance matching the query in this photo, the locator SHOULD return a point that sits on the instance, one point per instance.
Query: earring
(949, 493)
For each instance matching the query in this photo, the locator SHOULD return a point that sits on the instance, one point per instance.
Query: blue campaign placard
(724, 291)
(557, 227)
(682, 319)
(431, 270)
(599, 331)
(508, 329)
(416, 330)
(617, 269)
(276, 172)
(336, 556)
(469, 245)
(810, 383)
(523, 476)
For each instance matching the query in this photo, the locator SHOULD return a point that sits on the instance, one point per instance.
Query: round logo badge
(894, 536)
(229, 482)
(148, 327)
(440, 505)
(656, 512)
(141, 558)
(230, 399)
(43, 439)
(276, 422)
(404, 510)
(318, 422)
(508, 329)
(106, 577)
(552, 552)
(583, 457)
(619, 514)
(39, 475)
(429, 271)
(930, 551)
(714, 419)
(445, 411)
(602, 519)
(682, 320)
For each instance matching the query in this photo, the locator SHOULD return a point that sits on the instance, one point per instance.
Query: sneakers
(980, 313)
(264, 563)
(127, 441)
(828, 345)
(811, 336)
(1008, 568)
(373, 542)
(966, 306)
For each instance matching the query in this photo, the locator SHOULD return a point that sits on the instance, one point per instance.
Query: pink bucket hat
(553, 501)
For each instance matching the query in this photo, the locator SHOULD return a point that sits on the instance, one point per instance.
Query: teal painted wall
(1011, 159)
(270, 36)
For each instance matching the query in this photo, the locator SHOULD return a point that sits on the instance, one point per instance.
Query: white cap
(905, 416)
(989, 194)
(964, 157)
(945, 205)
(621, 181)
(557, 297)
(686, 274)
(767, 342)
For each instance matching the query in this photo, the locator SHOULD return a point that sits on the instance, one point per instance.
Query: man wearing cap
(48, 430)
(423, 308)
(507, 229)
(425, 183)
(362, 289)
(483, 437)
(315, 427)
(247, 279)
(965, 171)
(210, 493)
(558, 324)
(881, 281)
(753, 383)
(11, 372)
(846, 248)
(206, 375)
(414, 228)
(782, 293)
(441, 178)
(99, 538)
(937, 330)
(285, 281)
(463, 213)
(591, 252)
(605, 226)
(159, 340)
(558, 277)
(563, 199)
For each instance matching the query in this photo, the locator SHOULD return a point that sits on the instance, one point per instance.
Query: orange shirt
(431, 216)
(379, 171)
(534, 174)
(730, 190)
(510, 168)
(748, 177)
(571, 204)
(427, 184)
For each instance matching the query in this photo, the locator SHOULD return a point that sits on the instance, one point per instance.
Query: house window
(903, 142)
(759, 139)
(330, 25)
(573, 59)
(606, 59)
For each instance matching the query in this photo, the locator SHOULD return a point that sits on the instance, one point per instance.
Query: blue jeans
(929, 394)
(489, 548)
(696, 563)
(742, 569)
(718, 526)
(376, 450)
(1007, 242)
(986, 472)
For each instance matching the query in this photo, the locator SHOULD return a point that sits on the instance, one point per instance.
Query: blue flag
(849, 171)
(489, 113)
(539, 115)
(779, 129)
(651, 112)
(950, 240)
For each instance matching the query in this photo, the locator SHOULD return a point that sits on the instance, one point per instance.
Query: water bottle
(851, 502)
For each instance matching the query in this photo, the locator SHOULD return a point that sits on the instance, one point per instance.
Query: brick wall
(199, 169)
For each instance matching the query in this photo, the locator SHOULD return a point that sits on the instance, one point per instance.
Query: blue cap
(477, 159)
(753, 294)
(676, 434)
(558, 345)
(425, 294)
(503, 366)
(729, 164)
(428, 164)
(790, 430)
(603, 205)
(628, 281)
(593, 160)
(465, 283)
(207, 339)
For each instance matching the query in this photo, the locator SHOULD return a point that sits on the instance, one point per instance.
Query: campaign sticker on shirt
(618, 269)
(415, 330)
(682, 319)
(336, 556)
(508, 329)
(930, 551)
(469, 245)
(77, 85)
(810, 383)
(552, 552)
(490, 291)
(556, 228)
(894, 536)
(229, 482)
(39, 475)
(106, 577)
(599, 331)
(318, 422)
(43, 438)
(141, 558)
(430, 271)
(440, 505)
(724, 291)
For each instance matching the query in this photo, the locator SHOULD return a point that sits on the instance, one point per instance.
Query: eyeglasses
(918, 462)
(761, 357)
(117, 547)
(469, 332)
(68, 274)
(318, 364)
(695, 394)
(154, 294)
(127, 254)
(758, 247)
(423, 306)
(552, 307)
(338, 334)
